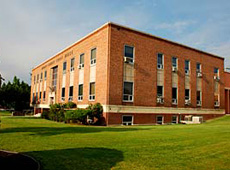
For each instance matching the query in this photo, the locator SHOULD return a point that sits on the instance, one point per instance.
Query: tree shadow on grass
(78, 158)
(49, 131)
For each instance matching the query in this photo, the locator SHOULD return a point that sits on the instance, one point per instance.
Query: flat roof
(131, 29)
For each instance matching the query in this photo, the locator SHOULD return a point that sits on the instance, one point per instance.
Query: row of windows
(128, 95)
(81, 61)
(128, 119)
(72, 60)
(35, 96)
(129, 57)
(80, 92)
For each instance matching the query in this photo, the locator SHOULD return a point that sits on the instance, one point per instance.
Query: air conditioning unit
(217, 78)
(128, 60)
(174, 101)
(159, 66)
(80, 66)
(174, 69)
(80, 97)
(187, 102)
(216, 103)
(186, 72)
(199, 74)
(160, 100)
(198, 103)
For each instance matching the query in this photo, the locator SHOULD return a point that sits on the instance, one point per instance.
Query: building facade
(137, 77)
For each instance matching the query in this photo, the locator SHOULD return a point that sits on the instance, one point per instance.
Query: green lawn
(63, 146)
(5, 113)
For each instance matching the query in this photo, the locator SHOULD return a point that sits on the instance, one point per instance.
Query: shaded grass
(63, 146)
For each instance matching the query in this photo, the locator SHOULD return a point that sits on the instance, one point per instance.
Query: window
(54, 77)
(41, 77)
(187, 67)
(187, 94)
(40, 96)
(36, 98)
(81, 62)
(44, 95)
(72, 64)
(216, 70)
(93, 56)
(198, 98)
(174, 62)
(159, 91)
(63, 93)
(70, 93)
(80, 91)
(64, 67)
(34, 79)
(174, 119)
(128, 91)
(160, 120)
(160, 61)
(198, 67)
(174, 95)
(45, 75)
(92, 91)
(127, 120)
(37, 78)
(129, 53)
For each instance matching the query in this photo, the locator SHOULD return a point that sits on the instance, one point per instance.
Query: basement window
(127, 120)
(174, 119)
(160, 120)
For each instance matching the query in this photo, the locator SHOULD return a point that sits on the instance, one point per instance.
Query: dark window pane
(71, 91)
(159, 58)
(63, 92)
(93, 53)
(127, 118)
(187, 94)
(216, 70)
(174, 61)
(186, 64)
(92, 88)
(80, 90)
(82, 59)
(128, 88)
(198, 97)
(174, 93)
(160, 91)
(128, 51)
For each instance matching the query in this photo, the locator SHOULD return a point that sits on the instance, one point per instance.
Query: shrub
(96, 112)
(77, 115)
(71, 105)
(46, 115)
(57, 112)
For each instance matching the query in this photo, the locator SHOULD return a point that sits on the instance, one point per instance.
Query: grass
(63, 146)
(5, 113)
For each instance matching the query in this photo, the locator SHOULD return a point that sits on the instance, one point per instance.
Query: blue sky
(33, 30)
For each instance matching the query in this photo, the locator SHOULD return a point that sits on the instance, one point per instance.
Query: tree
(15, 95)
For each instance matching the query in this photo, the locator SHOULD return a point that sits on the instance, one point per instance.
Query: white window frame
(160, 66)
(72, 67)
(187, 72)
(93, 61)
(200, 69)
(176, 62)
(176, 119)
(176, 96)
(128, 122)
(92, 96)
(81, 65)
(64, 71)
(80, 97)
(132, 60)
(162, 119)
(128, 94)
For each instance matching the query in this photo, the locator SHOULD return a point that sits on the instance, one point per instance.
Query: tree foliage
(15, 95)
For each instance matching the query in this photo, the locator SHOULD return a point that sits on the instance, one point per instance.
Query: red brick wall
(146, 49)
(98, 39)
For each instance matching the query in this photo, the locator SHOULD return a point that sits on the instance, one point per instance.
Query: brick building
(137, 77)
